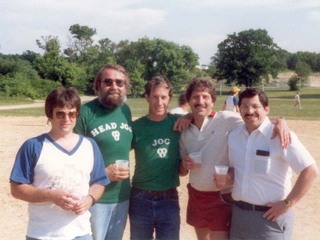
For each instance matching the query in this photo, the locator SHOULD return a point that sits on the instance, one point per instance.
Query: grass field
(281, 104)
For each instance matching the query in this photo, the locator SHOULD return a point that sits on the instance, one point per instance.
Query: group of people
(75, 189)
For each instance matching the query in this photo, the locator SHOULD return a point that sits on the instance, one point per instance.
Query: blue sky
(201, 24)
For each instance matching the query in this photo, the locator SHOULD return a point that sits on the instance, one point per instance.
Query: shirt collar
(263, 128)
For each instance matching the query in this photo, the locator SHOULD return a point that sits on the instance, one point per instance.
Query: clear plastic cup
(122, 163)
(221, 170)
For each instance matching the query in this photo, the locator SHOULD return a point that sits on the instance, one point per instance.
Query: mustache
(250, 115)
(199, 105)
(114, 92)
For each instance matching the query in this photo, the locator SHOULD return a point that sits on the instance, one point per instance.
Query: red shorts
(207, 210)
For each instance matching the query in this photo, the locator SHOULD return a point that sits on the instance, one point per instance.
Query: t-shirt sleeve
(98, 174)
(297, 155)
(235, 101)
(80, 126)
(26, 160)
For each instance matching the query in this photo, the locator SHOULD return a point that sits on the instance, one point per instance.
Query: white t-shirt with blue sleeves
(43, 163)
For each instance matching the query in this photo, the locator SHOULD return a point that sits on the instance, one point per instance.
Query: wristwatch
(287, 203)
(93, 200)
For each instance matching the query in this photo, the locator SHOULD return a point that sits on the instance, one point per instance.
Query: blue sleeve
(26, 160)
(98, 174)
(235, 101)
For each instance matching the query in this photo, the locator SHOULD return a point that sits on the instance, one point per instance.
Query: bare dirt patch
(13, 220)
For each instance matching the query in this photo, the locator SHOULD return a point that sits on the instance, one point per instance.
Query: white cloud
(278, 4)
(314, 15)
(199, 24)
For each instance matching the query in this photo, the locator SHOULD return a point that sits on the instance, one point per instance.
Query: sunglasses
(109, 82)
(62, 115)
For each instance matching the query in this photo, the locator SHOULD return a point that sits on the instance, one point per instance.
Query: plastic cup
(221, 174)
(122, 163)
(196, 156)
(221, 170)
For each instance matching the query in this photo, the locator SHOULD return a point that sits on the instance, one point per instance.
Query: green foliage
(293, 83)
(18, 78)
(158, 57)
(20, 85)
(247, 57)
(49, 44)
(303, 70)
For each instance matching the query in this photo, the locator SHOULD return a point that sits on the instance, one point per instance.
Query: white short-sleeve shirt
(263, 169)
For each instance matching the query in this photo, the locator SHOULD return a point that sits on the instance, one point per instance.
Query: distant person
(107, 119)
(183, 107)
(297, 100)
(61, 174)
(231, 102)
(263, 169)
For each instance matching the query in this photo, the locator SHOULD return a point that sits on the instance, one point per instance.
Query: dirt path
(38, 103)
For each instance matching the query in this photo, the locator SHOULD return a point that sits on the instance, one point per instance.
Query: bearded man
(107, 119)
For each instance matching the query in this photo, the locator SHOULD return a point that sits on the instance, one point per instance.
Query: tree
(54, 67)
(81, 41)
(247, 57)
(311, 59)
(18, 78)
(159, 57)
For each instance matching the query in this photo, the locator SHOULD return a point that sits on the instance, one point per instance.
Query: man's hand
(63, 199)
(117, 174)
(183, 122)
(189, 163)
(276, 210)
(82, 205)
(224, 181)
(282, 129)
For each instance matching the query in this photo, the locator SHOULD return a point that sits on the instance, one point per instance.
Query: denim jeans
(108, 221)
(85, 237)
(149, 213)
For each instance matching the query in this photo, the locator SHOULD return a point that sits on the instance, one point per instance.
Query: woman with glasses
(60, 173)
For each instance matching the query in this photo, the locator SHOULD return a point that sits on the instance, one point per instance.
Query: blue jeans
(108, 221)
(85, 237)
(148, 213)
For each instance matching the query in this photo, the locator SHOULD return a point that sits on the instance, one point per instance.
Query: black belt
(251, 207)
(157, 193)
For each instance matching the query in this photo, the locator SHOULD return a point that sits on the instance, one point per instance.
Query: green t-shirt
(112, 130)
(156, 148)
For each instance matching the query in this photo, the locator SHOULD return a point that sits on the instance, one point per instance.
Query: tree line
(245, 58)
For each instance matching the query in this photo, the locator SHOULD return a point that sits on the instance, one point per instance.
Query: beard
(112, 100)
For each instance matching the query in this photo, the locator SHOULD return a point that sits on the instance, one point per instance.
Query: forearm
(304, 182)
(29, 193)
(182, 170)
(96, 191)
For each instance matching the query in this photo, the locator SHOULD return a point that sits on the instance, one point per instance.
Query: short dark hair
(119, 68)
(200, 82)
(182, 99)
(158, 81)
(251, 92)
(62, 97)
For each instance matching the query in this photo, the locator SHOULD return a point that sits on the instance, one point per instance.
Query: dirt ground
(13, 216)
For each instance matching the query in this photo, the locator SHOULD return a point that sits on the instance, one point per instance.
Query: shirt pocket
(262, 165)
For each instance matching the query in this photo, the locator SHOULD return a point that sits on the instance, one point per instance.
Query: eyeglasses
(62, 115)
(109, 82)
(245, 107)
